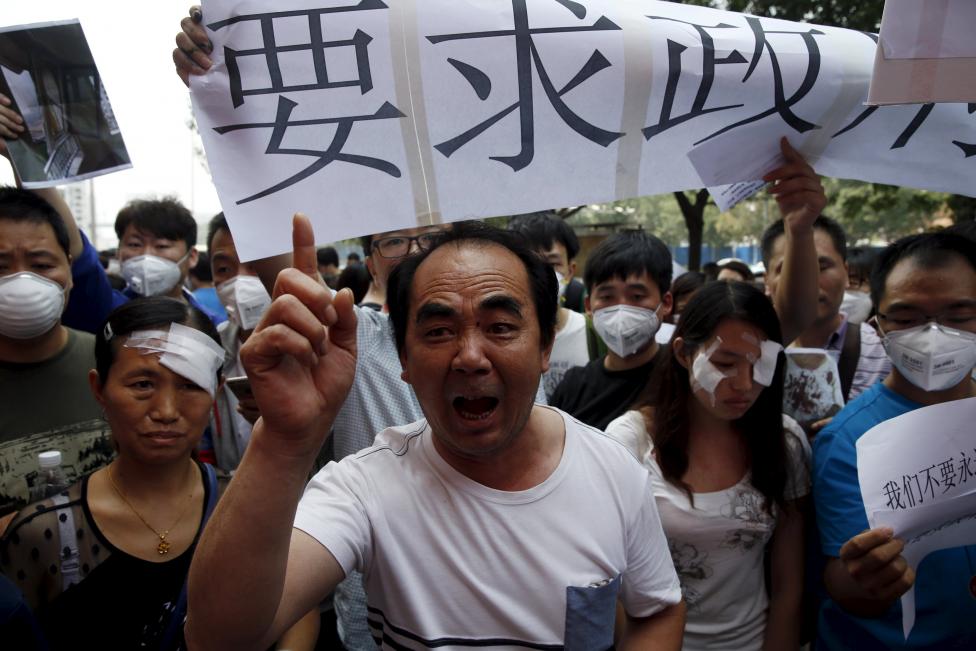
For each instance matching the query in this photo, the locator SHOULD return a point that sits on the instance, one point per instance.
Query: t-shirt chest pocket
(590, 613)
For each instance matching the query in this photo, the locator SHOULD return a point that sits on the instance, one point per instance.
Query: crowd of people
(455, 442)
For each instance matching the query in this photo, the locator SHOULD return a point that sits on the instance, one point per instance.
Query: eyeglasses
(958, 318)
(399, 245)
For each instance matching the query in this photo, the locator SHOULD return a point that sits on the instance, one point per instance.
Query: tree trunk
(694, 214)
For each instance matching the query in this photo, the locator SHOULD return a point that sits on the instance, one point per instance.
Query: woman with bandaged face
(104, 564)
(727, 470)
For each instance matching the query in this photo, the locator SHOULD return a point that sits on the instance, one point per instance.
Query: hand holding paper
(797, 189)
(11, 124)
(874, 561)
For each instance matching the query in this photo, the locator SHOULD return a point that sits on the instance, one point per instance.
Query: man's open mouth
(475, 408)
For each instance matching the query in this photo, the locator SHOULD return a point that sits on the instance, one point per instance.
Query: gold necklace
(164, 545)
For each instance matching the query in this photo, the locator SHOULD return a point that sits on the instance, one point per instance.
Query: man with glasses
(385, 250)
(924, 290)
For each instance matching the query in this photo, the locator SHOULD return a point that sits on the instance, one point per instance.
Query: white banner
(371, 115)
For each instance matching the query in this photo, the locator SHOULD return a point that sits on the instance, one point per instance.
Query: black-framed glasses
(398, 246)
(957, 318)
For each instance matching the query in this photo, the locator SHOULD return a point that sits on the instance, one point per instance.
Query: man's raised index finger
(303, 247)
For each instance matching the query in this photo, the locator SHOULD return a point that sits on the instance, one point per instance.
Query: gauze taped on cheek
(705, 375)
(185, 351)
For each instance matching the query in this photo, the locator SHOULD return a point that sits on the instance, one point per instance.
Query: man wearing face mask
(924, 290)
(245, 299)
(627, 278)
(156, 251)
(45, 402)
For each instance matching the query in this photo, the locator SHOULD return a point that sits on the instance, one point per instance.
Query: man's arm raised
(800, 197)
(252, 574)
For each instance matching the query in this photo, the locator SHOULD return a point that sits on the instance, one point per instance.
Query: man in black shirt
(627, 279)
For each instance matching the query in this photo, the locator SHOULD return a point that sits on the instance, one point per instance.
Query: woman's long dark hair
(761, 426)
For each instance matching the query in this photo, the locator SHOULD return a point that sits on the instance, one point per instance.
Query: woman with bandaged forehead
(103, 565)
(727, 469)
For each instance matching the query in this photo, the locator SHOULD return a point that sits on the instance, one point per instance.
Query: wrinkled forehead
(467, 268)
(28, 234)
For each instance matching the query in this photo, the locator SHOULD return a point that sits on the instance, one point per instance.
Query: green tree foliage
(864, 15)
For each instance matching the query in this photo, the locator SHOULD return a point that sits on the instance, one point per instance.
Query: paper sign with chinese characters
(371, 115)
(918, 476)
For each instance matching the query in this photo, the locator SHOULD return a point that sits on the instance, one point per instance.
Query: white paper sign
(928, 29)
(918, 475)
(371, 115)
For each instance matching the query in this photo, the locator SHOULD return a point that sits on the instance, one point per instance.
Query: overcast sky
(132, 44)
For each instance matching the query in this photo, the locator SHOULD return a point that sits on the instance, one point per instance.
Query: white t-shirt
(568, 350)
(446, 558)
(717, 545)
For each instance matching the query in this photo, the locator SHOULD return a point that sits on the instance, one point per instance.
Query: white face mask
(150, 275)
(30, 305)
(932, 356)
(626, 329)
(245, 299)
(857, 306)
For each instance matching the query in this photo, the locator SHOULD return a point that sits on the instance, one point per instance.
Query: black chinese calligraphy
(322, 158)
(527, 60)
(929, 483)
(782, 103)
(318, 50)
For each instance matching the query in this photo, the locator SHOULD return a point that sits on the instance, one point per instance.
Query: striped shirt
(873, 364)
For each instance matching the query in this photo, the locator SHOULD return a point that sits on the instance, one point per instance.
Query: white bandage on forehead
(185, 351)
(705, 375)
(763, 367)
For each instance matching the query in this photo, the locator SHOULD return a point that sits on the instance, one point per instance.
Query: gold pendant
(163, 547)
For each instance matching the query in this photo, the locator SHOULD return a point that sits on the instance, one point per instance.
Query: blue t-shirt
(92, 298)
(945, 602)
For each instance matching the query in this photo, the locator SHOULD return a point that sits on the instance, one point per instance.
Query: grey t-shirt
(49, 406)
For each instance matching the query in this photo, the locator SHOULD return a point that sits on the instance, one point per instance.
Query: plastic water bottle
(52, 479)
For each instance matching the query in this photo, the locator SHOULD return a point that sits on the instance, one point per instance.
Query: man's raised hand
(192, 47)
(301, 359)
(797, 189)
(11, 124)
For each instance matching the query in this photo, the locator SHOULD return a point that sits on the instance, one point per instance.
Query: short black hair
(202, 270)
(356, 278)
(739, 267)
(710, 269)
(543, 229)
(542, 282)
(327, 255)
(145, 314)
(777, 229)
(355, 256)
(860, 261)
(626, 254)
(19, 205)
(928, 250)
(687, 283)
(965, 228)
(217, 223)
(165, 217)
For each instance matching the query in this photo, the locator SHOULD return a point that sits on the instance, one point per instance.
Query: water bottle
(51, 479)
